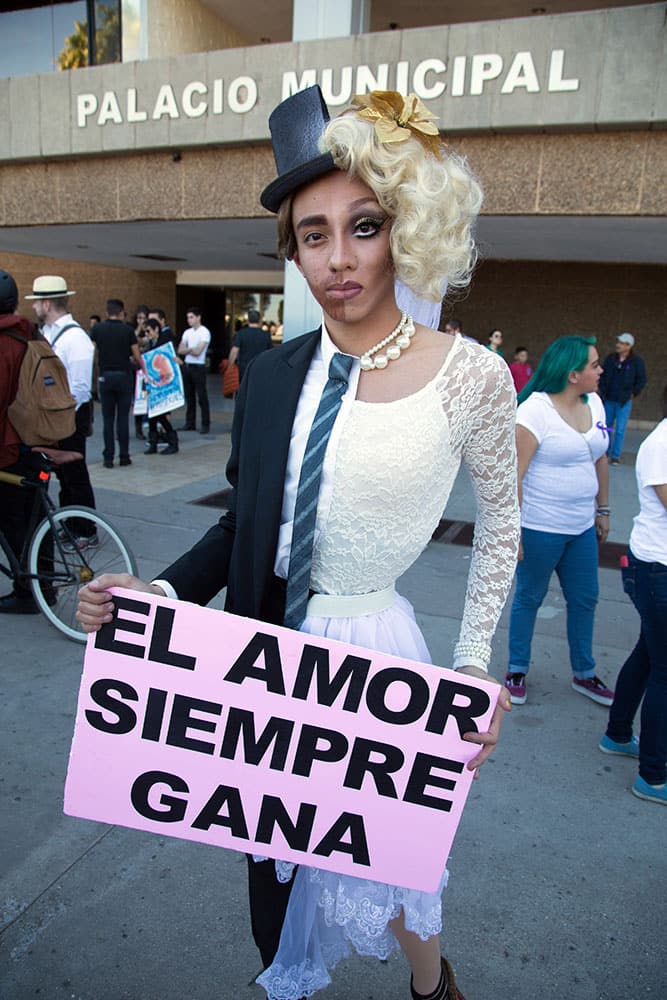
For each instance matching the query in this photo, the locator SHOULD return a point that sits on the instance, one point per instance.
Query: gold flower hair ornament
(396, 118)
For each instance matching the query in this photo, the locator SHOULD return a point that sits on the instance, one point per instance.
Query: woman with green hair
(562, 442)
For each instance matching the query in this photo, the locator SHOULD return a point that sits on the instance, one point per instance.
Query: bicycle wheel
(60, 568)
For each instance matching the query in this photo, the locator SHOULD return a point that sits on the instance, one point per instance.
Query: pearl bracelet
(474, 650)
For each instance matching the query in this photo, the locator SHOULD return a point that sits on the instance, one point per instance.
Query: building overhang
(235, 246)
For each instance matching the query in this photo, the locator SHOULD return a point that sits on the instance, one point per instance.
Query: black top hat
(296, 129)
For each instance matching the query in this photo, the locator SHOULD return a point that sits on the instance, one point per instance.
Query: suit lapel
(290, 376)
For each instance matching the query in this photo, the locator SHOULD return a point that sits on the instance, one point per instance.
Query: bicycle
(55, 561)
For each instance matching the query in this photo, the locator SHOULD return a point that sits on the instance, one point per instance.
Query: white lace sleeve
(489, 453)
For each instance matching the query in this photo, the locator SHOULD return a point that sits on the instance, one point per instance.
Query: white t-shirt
(193, 338)
(561, 484)
(648, 540)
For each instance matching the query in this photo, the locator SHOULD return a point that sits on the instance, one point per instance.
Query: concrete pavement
(558, 873)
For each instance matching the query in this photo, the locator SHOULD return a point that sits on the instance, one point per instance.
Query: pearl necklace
(398, 340)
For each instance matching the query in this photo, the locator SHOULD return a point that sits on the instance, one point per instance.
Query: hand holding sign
(96, 605)
(489, 739)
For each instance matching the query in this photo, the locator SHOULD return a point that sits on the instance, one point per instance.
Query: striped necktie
(305, 508)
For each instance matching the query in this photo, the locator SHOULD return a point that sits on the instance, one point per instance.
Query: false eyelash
(371, 220)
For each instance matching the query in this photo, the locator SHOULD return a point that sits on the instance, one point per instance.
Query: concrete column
(317, 19)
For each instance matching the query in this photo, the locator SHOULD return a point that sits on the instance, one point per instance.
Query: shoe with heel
(446, 988)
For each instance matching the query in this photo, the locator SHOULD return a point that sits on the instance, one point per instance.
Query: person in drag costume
(367, 200)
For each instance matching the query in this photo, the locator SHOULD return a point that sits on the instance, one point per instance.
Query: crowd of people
(100, 363)
(312, 543)
(622, 378)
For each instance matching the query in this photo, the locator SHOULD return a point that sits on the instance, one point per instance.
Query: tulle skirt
(330, 915)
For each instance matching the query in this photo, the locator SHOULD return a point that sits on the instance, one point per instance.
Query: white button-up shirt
(76, 351)
(309, 400)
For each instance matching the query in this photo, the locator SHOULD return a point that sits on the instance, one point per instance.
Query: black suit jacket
(239, 551)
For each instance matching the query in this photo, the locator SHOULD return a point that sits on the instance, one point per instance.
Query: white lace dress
(395, 466)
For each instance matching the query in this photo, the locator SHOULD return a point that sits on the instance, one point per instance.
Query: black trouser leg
(190, 396)
(202, 396)
(15, 511)
(75, 486)
(268, 905)
(108, 401)
(124, 405)
(152, 436)
(196, 376)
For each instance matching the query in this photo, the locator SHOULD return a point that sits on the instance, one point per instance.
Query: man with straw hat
(50, 299)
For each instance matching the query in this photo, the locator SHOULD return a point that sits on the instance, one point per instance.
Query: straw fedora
(49, 286)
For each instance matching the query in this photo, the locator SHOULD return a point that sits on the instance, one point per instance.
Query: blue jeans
(617, 416)
(116, 391)
(644, 673)
(575, 560)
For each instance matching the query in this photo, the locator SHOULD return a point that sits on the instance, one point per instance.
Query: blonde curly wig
(433, 204)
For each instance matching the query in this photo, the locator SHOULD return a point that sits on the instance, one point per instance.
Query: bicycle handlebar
(49, 458)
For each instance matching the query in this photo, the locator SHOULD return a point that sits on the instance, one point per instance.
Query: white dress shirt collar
(327, 349)
(51, 329)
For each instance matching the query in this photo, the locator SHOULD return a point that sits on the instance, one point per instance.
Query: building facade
(138, 175)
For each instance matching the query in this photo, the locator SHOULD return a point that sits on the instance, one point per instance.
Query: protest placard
(163, 380)
(140, 402)
(199, 724)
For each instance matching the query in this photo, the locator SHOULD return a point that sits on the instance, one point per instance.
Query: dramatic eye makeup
(369, 225)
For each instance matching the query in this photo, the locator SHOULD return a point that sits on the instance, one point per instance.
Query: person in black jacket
(623, 377)
(350, 249)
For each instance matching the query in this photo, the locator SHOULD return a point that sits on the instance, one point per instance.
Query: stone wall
(610, 173)
(93, 285)
(534, 302)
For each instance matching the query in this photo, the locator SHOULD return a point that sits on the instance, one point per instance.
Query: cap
(626, 338)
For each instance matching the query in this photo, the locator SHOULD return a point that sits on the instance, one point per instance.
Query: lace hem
(329, 916)
(296, 981)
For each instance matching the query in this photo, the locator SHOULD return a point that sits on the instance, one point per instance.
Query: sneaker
(594, 689)
(516, 685)
(630, 749)
(652, 793)
(80, 543)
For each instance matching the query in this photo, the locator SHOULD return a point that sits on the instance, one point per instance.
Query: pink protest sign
(199, 724)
